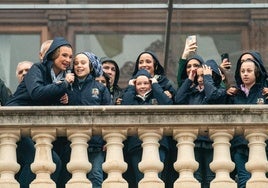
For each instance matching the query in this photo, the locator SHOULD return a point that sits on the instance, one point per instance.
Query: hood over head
(184, 72)
(142, 72)
(57, 42)
(94, 63)
(117, 70)
(216, 75)
(258, 62)
(158, 69)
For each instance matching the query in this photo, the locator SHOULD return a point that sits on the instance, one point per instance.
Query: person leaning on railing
(45, 84)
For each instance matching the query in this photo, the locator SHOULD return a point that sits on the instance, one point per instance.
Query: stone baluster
(8, 160)
(79, 165)
(43, 165)
(114, 164)
(150, 163)
(257, 163)
(222, 164)
(186, 164)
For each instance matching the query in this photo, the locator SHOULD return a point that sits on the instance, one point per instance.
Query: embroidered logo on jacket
(95, 92)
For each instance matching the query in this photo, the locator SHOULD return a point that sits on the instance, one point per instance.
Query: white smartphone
(191, 39)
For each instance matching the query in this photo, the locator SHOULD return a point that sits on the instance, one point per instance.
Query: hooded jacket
(130, 98)
(155, 96)
(255, 94)
(258, 62)
(159, 74)
(90, 92)
(37, 87)
(187, 92)
(212, 93)
(115, 91)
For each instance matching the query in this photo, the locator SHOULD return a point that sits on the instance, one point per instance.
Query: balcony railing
(114, 123)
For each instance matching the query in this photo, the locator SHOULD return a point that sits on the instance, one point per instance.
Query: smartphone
(191, 39)
(225, 56)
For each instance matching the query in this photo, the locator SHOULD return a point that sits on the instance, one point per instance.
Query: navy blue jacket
(159, 74)
(156, 96)
(213, 93)
(37, 87)
(255, 92)
(90, 92)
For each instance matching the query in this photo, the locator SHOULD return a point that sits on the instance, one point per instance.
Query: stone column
(79, 165)
(8, 160)
(150, 163)
(257, 162)
(186, 164)
(43, 165)
(222, 164)
(114, 164)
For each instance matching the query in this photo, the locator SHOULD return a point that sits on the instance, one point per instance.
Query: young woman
(250, 76)
(85, 90)
(203, 86)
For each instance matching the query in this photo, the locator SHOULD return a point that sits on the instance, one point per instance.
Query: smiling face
(81, 66)
(63, 59)
(143, 85)
(146, 62)
(247, 74)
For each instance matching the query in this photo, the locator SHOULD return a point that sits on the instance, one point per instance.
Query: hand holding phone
(225, 61)
(191, 39)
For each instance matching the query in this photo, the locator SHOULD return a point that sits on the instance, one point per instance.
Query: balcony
(115, 123)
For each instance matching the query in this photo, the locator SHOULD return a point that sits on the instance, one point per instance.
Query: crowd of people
(64, 78)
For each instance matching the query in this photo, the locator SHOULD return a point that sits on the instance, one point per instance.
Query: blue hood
(184, 72)
(117, 70)
(57, 42)
(216, 75)
(142, 72)
(258, 62)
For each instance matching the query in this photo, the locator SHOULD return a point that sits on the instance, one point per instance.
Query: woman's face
(146, 62)
(247, 73)
(64, 59)
(81, 66)
(192, 65)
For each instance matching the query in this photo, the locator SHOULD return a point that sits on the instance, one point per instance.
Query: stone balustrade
(150, 123)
